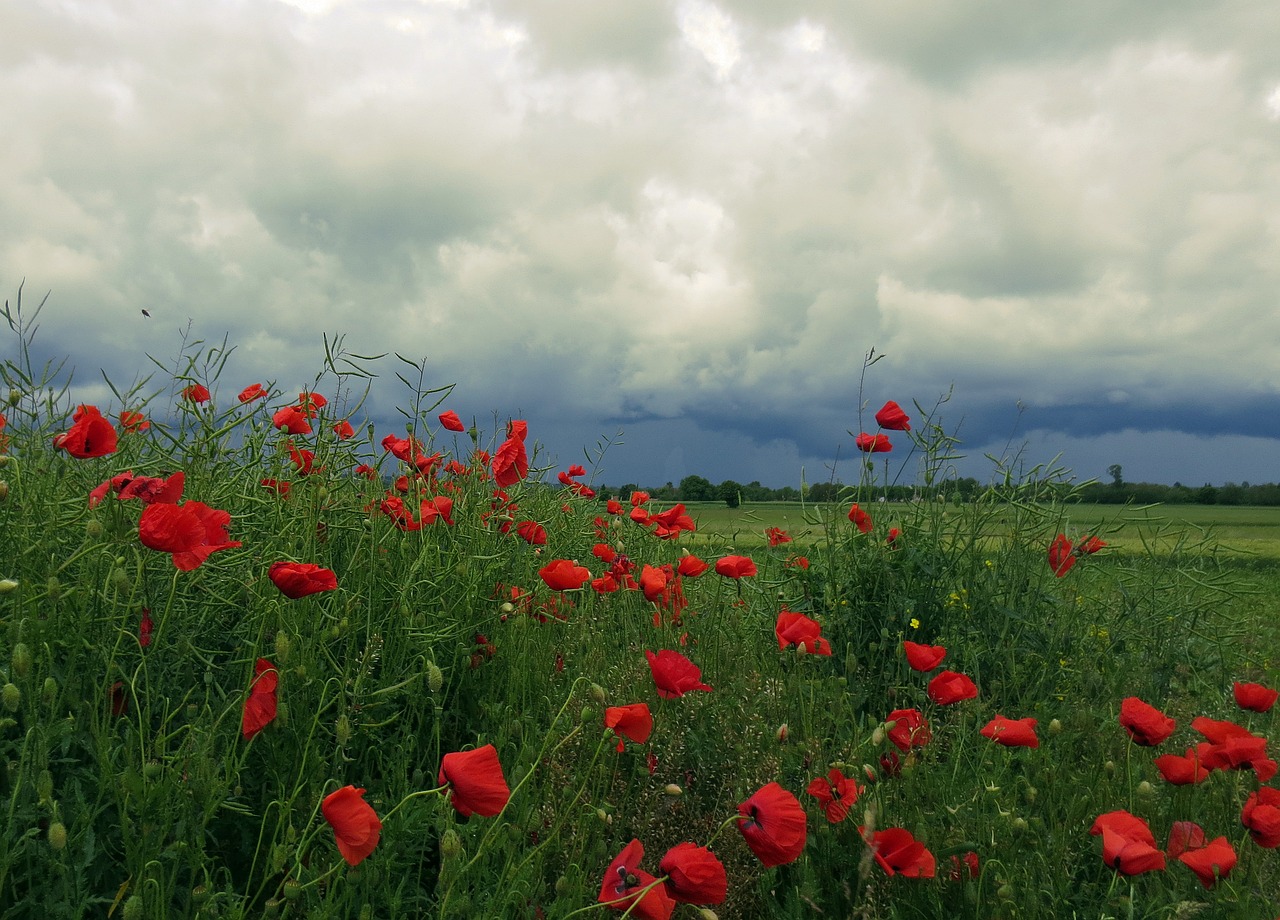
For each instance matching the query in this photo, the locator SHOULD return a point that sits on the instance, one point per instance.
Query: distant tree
(697, 489)
(824, 491)
(1207, 495)
(1116, 472)
(730, 493)
(625, 490)
(787, 494)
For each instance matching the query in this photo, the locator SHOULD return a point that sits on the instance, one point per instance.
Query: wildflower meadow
(261, 659)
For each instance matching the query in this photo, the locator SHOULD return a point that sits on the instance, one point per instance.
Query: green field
(1237, 531)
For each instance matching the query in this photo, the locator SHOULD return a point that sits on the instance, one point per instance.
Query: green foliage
(130, 788)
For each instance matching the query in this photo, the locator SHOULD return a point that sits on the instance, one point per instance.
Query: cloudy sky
(688, 220)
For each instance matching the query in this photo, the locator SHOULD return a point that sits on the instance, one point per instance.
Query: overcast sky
(687, 220)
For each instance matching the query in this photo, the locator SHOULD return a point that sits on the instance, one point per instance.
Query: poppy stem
(439, 790)
(727, 822)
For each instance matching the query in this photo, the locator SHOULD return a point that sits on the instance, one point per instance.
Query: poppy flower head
(451, 422)
(1261, 817)
(90, 435)
(1254, 697)
(923, 657)
(1185, 770)
(1145, 724)
(836, 793)
(951, 687)
(860, 518)
(773, 824)
(260, 705)
(475, 781)
(673, 674)
(1061, 559)
(694, 874)
(532, 533)
(735, 567)
(1209, 861)
(777, 536)
(299, 579)
(133, 421)
(511, 460)
(624, 882)
(190, 532)
(311, 403)
(563, 575)
(196, 393)
(909, 730)
(1012, 732)
(251, 392)
(899, 853)
(355, 824)
(633, 722)
(798, 630)
(892, 418)
(873, 443)
(436, 508)
(344, 431)
(291, 419)
(1127, 843)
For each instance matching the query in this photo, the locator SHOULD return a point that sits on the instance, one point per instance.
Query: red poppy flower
(311, 403)
(343, 430)
(923, 657)
(899, 853)
(774, 825)
(798, 562)
(633, 722)
(797, 629)
(624, 881)
(475, 781)
(653, 582)
(532, 532)
(1210, 862)
(90, 435)
(1145, 724)
(436, 508)
(145, 628)
(860, 519)
(1234, 747)
(690, 566)
(1183, 836)
(355, 824)
(260, 704)
(190, 532)
(892, 418)
(1254, 697)
(951, 687)
(302, 458)
(964, 867)
(151, 490)
(873, 443)
(673, 674)
(1061, 559)
(1089, 545)
(777, 536)
(836, 793)
(1261, 817)
(196, 393)
(669, 524)
(694, 875)
(892, 539)
(298, 579)
(1012, 732)
(133, 421)
(909, 730)
(292, 419)
(1185, 770)
(251, 392)
(1127, 843)
(563, 575)
(510, 461)
(451, 422)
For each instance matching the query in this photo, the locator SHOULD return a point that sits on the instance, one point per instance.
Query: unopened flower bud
(672, 789)
(1146, 790)
(782, 734)
(435, 677)
(1109, 767)
(4, 489)
(343, 730)
(1055, 726)
(121, 581)
(508, 608)
(152, 768)
(44, 786)
(53, 588)
(57, 835)
(450, 845)
(15, 396)
(877, 736)
(283, 645)
(134, 909)
(7, 585)
(11, 697)
(20, 661)
(93, 530)
(597, 694)
(1018, 824)
(49, 692)
(706, 913)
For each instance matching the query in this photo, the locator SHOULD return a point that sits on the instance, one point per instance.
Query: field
(243, 677)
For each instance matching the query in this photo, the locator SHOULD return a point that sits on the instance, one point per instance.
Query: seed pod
(199, 895)
(21, 660)
(152, 768)
(292, 889)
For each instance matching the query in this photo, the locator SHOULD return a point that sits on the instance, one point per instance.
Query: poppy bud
(283, 645)
(49, 692)
(44, 786)
(1109, 767)
(92, 530)
(598, 694)
(782, 734)
(57, 835)
(343, 730)
(4, 489)
(877, 736)
(706, 913)
(11, 696)
(1019, 824)
(21, 660)
(672, 789)
(7, 585)
(15, 396)
(1146, 790)
(1055, 726)
(1005, 892)
(53, 588)
(435, 677)
(134, 909)
(120, 581)
(508, 608)
(562, 885)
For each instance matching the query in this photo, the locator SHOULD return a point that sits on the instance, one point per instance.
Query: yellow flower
(915, 624)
